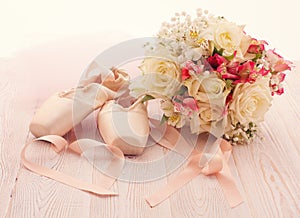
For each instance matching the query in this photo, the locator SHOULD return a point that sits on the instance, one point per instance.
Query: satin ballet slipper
(113, 79)
(62, 111)
(126, 128)
(54, 117)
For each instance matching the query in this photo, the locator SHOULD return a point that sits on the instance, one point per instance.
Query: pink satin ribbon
(217, 165)
(60, 143)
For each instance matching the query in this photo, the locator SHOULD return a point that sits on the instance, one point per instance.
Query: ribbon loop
(199, 163)
(59, 143)
(214, 166)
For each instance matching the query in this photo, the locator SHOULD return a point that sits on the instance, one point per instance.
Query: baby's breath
(241, 134)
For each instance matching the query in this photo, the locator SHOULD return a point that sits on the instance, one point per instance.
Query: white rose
(228, 36)
(205, 88)
(161, 66)
(250, 102)
(159, 76)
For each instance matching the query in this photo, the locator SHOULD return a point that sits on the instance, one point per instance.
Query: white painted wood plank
(14, 119)
(269, 168)
(37, 196)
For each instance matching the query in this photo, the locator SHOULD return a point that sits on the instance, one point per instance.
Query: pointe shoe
(62, 111)
(54, 117)
(126, 128)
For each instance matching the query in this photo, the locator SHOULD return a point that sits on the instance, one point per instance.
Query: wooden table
(267, 172)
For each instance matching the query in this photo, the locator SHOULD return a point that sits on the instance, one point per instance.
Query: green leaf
(219, 52)
(163, 119)
(229, 58)
(228, 83)
(147, 98)
(257, 56)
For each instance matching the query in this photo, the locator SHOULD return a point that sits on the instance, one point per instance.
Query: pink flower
(246, 68)
(247, 73)
(185, 73)
(281, 77)
(277, 63)
(198, 69)
(280, 91)
(232, 67)
(229, 76)
(178, 107)
(190, 65)
(229, 71)
(252, 77)
(281, 67)
(256, 46)
(276, 83)
(191, 103)
(216, 60)
(255, 49)
(263, 71)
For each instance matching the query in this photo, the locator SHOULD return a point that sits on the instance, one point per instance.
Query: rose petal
(281, 77)
(282, 67)
(263, 71)
(185, 74)
(190, 103)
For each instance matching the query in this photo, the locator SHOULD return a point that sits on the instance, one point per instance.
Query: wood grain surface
(267, 172)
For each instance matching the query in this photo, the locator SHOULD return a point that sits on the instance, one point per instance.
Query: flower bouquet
(209, 73)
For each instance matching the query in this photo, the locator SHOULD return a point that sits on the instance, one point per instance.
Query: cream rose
(228, 36)
(205, 88)
(250, 102)
(210, 116)
(161, 76)
(161, 66)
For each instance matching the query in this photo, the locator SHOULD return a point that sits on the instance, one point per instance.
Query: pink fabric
(60, 143)
(64, 110)
(126, 128)
(217, 165)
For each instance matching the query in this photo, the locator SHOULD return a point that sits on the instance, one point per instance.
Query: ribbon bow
(215, 164)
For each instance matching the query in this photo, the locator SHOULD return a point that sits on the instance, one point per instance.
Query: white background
(27, 23)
